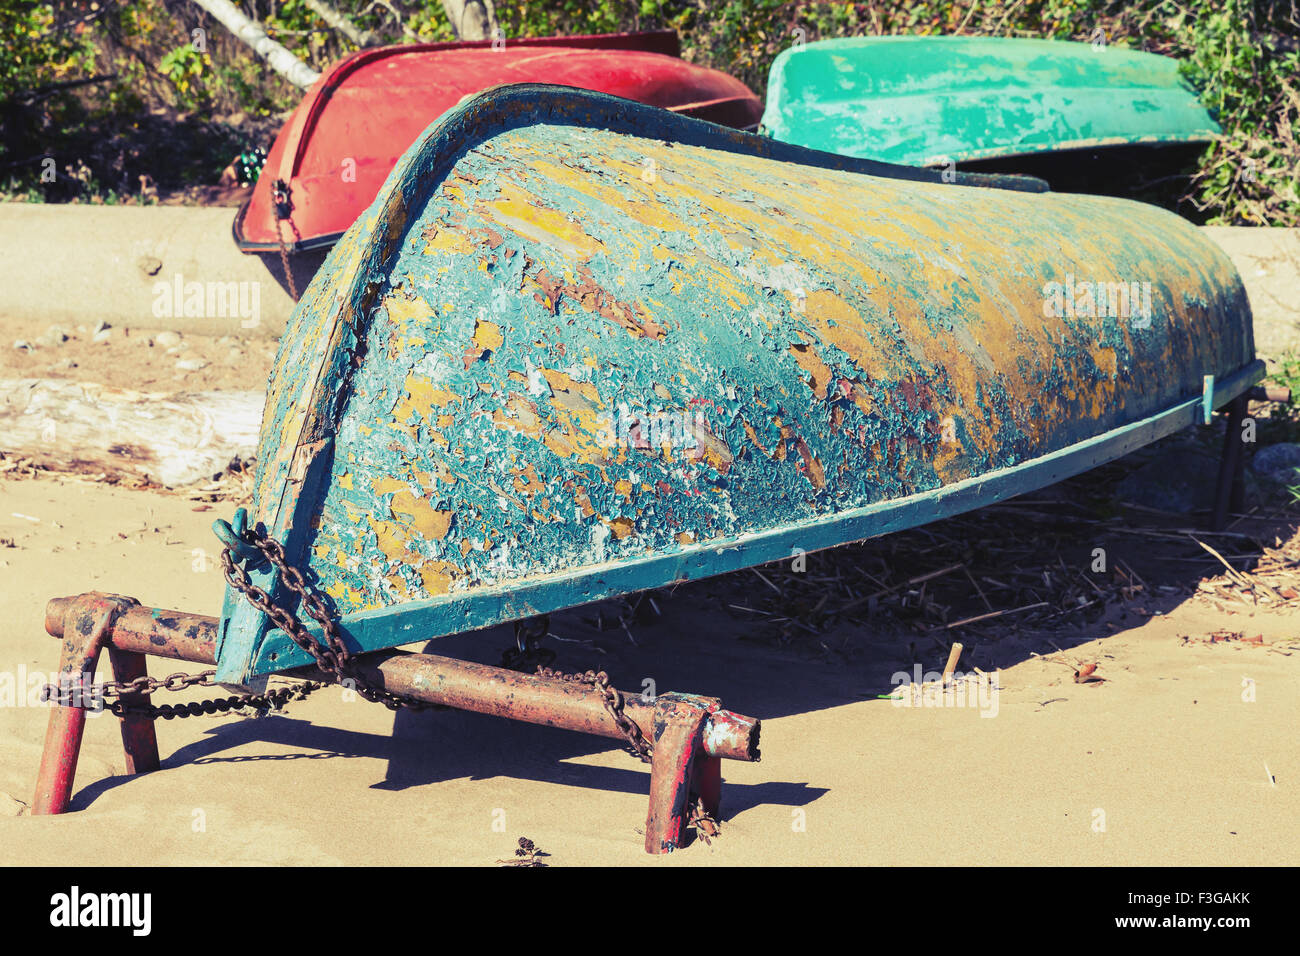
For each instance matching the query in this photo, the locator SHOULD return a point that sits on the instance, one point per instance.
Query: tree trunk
(472, 19)
(171, 439)
(250, 32)
(341, 23)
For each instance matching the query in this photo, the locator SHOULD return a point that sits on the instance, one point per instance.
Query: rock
(102, 336)
(167, 339)
(191, 365)
(1175, 479)
(23, 346)
(1278, 462)
(11, 807)
(100, 326)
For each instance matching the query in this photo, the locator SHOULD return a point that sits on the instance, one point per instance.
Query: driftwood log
(173, 439)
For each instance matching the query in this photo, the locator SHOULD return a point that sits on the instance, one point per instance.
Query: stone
(1278, 462)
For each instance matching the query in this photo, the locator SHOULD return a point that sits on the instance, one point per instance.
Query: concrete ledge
(1269, 263)
(77, 264)
(149, 267)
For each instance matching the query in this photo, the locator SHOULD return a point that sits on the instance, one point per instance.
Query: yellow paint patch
(422, 396)
(487, 335)
(437, 576)
(522, 213)
(819, 371)
(421, 515)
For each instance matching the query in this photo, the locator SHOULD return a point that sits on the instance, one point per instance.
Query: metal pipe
(150, 630)
(538, 700)
(1270, 393)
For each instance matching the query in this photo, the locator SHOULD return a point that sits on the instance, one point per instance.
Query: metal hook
(234, 535)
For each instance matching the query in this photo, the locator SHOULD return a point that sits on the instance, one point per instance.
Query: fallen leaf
(1085, 675)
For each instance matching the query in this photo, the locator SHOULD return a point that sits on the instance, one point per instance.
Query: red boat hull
(360, 116)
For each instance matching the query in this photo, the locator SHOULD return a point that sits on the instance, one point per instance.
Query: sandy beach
(1162, 763)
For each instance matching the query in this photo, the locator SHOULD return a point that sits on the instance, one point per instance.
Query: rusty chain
(332, 657)
(75, 695)
(613, 700)
(705, 824)
(283, 210)
(528, 652)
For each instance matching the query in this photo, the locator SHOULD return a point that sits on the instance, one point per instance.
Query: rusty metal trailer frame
(691, 734)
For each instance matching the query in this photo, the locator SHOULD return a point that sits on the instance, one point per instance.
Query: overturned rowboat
(579, 347)
(332, 156)
(932, 100)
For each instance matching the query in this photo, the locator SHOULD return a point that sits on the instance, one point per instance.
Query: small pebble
(167, 339)
(101, 325)
(191, 365)
(22, 346)
(103, 335)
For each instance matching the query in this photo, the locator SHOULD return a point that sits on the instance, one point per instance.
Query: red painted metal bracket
(85, 626)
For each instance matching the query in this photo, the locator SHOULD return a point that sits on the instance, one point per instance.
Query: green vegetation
(121, 89)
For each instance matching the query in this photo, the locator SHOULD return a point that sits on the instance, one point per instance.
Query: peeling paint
(463, 353)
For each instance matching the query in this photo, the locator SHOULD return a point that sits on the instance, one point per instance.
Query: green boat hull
(933, 100)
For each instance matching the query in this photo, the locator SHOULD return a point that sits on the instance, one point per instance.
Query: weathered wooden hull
(817, 350)
(930, 100)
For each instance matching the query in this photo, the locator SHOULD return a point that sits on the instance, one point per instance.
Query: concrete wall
(77, 264)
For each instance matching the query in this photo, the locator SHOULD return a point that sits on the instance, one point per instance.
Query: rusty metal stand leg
(86, 624)
(138, 737)
(679, 721)
(1229, 490)
(708, 783)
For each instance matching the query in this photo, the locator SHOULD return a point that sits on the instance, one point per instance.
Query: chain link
(613, 700)
(528, 653)
(283, 210)
(74, 695)
(332, 657)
